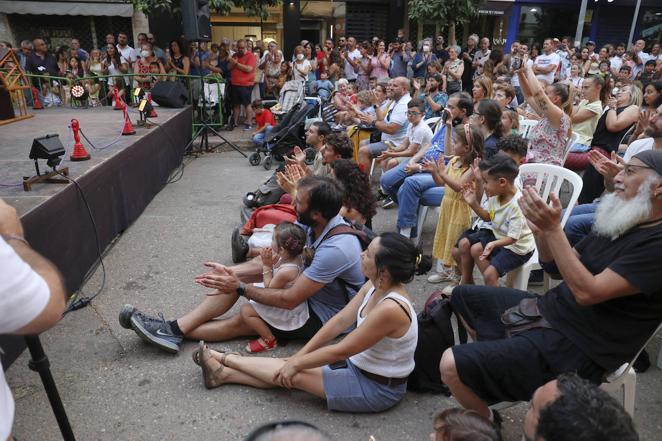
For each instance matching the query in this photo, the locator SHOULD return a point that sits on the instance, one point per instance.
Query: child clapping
(282, 264)
(511, 243)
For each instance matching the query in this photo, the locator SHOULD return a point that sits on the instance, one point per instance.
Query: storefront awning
(67, 8)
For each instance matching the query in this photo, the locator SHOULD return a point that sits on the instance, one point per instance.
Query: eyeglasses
(628, 168)
(410, 113)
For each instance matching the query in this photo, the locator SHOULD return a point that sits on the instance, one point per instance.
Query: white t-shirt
(397, 113)
(480, 57)
(638, 146)
(615, 63)
(23, 296)
(514, 80)
(420, 134)
(128, 53)
(546, 61)
(303, 66)
(350, 74)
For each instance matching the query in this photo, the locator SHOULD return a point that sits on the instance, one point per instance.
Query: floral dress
(455, 216)
(547, 144)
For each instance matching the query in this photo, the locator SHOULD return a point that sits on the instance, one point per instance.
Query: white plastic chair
(422, 214)
(525, 126)
(624, 379)
(568, 145)
(548, 181)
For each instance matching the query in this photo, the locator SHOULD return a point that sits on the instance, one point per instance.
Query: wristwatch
(241, 289)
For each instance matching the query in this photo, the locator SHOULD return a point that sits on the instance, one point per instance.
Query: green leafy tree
(451, 12)
(253, 8)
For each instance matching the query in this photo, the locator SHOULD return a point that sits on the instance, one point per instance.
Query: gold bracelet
(8, 237)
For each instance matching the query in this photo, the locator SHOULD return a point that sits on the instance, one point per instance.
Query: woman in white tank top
(367, 370)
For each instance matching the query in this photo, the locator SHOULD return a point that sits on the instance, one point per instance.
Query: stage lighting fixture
(50, 148)
(47, 147)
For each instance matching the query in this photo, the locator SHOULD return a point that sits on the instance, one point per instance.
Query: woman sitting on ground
(364, 372)
(359, 204)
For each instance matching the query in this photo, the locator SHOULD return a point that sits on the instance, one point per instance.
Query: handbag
(522, 317)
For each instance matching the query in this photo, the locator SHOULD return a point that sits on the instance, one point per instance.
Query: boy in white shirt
(510, 243)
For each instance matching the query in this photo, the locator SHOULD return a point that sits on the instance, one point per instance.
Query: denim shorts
(348, 390)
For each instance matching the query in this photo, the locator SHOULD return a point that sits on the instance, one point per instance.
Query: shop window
(538, 22)
(651, 26)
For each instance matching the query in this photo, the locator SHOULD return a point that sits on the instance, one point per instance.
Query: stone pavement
(116, 388)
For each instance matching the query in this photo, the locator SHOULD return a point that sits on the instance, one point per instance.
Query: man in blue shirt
(433, 97)
(327, 284)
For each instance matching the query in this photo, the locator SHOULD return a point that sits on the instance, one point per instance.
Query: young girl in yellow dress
(455, 216)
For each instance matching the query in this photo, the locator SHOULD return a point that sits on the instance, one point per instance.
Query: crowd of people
(325, 276)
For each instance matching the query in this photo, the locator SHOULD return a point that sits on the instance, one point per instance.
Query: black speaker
(195, 20)
(169, 94)
(6, 106)
(47, 147)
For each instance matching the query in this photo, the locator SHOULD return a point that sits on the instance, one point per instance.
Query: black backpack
(435, 335)
(268, 193)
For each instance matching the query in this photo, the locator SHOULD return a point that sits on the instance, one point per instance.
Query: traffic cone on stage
(128, 128)
(118, 101)
(152, 113)
(35, 99)
(79, 153)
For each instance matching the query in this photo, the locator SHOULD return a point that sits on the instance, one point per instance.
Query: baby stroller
(287, 134)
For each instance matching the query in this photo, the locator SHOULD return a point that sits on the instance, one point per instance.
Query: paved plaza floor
(117, 388)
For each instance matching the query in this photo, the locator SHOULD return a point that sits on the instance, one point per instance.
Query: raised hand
(541, 215)
(267, 257)
(285, 182)
(469, 194)
(430, 166)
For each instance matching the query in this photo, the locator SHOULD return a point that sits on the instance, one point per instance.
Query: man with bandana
(608, 305)
(327, 284)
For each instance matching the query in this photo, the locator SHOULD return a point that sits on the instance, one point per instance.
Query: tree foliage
(446, 11)
(253, 8)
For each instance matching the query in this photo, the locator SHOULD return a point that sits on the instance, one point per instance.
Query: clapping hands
(469, 194)
(608, 168)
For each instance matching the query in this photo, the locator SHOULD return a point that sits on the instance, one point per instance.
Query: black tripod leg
(40, 364)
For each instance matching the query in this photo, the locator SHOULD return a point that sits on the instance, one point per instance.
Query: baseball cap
(591, 42)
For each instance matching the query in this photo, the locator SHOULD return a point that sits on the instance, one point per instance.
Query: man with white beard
(608, 305)
(581, 219)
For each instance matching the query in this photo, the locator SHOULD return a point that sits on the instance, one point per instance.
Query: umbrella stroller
(290, 132)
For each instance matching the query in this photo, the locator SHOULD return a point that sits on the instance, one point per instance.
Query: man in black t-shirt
(598, 318)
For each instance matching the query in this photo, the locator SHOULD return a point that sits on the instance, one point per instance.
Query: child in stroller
(289, 132)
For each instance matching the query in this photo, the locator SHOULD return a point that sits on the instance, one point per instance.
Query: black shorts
(502, 259)
(482, 235)
(497, 368)
(241, 95)
(306, 332)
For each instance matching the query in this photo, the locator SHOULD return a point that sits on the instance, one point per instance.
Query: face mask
(144, 54)
(300, 57)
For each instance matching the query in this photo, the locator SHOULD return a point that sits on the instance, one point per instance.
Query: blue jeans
(417, 189)
(392, 179)
(580, 222)
(259, 138)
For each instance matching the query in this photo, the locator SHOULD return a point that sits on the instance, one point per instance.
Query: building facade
(57, 22)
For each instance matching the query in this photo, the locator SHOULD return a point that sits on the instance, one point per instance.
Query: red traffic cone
(152, 113)
(119, 105)
(128, 127)
(79, 153)
(35, 99)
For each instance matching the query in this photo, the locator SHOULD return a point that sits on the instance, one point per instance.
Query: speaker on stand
(197, 27)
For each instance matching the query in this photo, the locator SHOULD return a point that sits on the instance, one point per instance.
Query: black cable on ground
(81, 302)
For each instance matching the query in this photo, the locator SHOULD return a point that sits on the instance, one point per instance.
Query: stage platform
(118, 182)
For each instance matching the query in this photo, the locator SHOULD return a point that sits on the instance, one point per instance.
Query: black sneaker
(388, 202)
(125, 316)
(239, 247)
(155, 331)
(536, 278)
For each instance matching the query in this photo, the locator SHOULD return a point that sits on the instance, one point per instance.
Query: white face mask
(145, 54)
(299, 57)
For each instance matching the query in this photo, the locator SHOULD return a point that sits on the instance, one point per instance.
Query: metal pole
(40, 364)
(634, 23)
(580, 23)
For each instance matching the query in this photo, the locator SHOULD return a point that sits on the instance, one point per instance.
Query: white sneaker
(447, 275)
(448, 290)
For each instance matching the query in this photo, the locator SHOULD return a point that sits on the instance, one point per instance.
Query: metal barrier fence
(56, 91)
